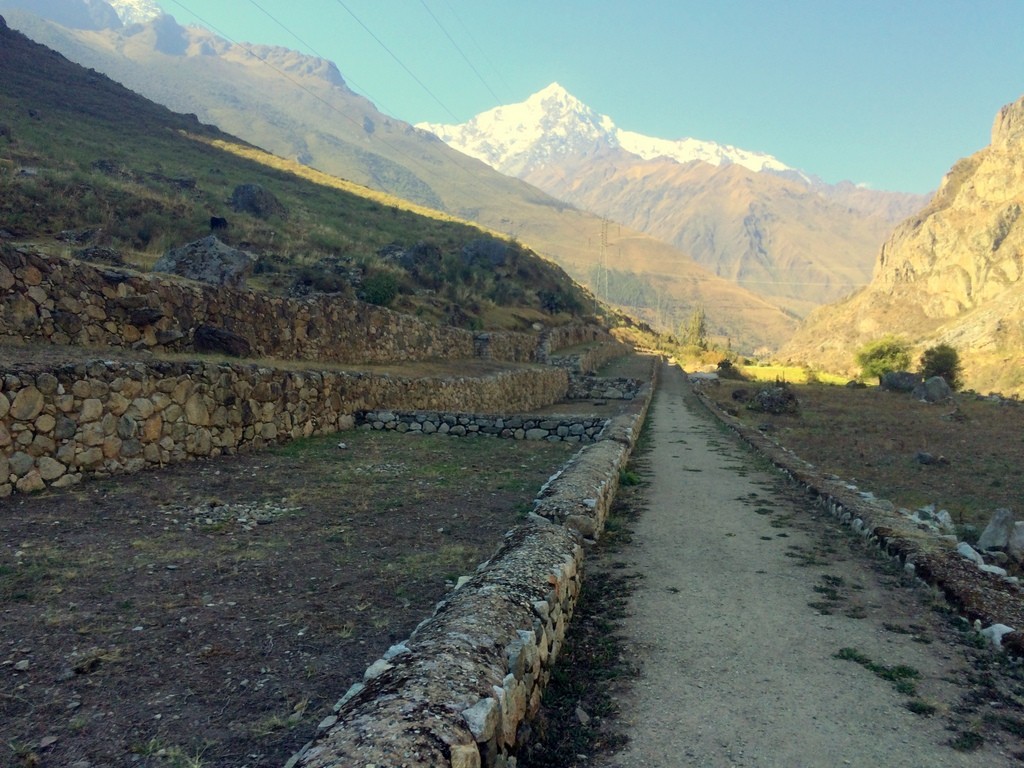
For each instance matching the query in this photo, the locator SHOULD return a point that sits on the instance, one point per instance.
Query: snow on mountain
(553, 122)
(514, 137)
(136, 11)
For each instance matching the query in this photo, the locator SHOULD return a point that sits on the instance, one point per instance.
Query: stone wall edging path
(462, 690)
(981, 597)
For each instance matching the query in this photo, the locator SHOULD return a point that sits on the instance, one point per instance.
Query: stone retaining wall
(600, 388)
(51, 299)
(569, 429)
(101, 417)
(462, 690)
(590, 360)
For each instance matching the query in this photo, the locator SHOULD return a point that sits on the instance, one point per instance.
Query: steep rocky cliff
(950, 274)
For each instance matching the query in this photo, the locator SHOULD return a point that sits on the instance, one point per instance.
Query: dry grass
(872, 438)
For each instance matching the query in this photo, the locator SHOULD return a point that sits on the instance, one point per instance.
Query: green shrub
(726, 370)
(379, 288)
(942, 360)
(882, 356)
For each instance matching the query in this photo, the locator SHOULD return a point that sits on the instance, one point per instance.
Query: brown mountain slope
(300, 108)
(796, 243)
(952, 274)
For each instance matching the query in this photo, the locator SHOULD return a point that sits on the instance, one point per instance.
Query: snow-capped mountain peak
(552, 122)
(136, 11)
(516, 137)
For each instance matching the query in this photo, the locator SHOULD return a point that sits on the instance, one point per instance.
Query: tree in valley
(942, 360)
(694, 331)
(882, 356)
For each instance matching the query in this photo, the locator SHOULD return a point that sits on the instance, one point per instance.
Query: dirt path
(746, 597)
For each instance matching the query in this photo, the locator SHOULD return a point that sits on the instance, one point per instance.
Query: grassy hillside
(309, 115)
(83, 161)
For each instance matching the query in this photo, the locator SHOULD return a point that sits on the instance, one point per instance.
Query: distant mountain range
(953, 274)
(299, 107)
(745, 215)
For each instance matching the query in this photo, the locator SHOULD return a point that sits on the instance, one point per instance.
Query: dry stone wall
(462, 691)
(55, 300)
(554, 428)
(459, 690)
(97, 418)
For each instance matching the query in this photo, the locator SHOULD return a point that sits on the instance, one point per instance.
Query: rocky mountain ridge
(950, 274)
(744, 215)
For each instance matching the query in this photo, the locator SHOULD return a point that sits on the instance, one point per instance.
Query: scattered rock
(933, 390)
(777, 399)
(997, 533)
(702, 377)
(927, 459)
(208, 261)
(254, 199)
(969, 552)
(899, 381)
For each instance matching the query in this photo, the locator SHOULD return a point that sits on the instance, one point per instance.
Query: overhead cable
(399, 61)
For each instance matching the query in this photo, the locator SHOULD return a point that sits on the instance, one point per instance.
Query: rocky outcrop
(951, 274)
(208, 261)
(254, 199)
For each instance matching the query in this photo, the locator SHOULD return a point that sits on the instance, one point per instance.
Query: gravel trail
(746, 596)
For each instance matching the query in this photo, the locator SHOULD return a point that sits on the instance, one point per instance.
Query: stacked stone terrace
(461, 690)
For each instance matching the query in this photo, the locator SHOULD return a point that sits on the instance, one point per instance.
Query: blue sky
(888, 94)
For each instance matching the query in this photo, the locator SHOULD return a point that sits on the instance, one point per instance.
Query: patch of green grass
(967, 741)
(628, 477)
(901, 676)
(38, 569)
(1006, 723)
(447, 562)
(922, 708)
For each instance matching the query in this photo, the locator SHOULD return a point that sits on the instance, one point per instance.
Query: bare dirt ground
(872, 438)
(210, 614)
(764, 633)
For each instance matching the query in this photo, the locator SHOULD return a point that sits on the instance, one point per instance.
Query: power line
(483, 53)
(400, 62)
(295, 82)
(461, 52)
(315, 52)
